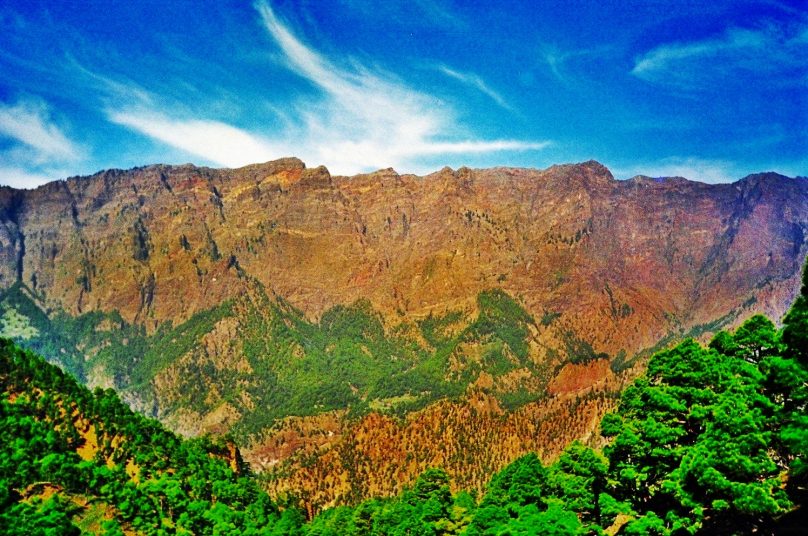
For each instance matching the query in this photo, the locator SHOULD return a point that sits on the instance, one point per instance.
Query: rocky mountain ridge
(125, 240)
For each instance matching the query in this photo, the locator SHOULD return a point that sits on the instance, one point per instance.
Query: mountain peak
(273, 166)
(594, 165)
(590, 174)
(769, 176)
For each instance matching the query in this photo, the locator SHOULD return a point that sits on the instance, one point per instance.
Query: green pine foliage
(180, 487)
(795, 330)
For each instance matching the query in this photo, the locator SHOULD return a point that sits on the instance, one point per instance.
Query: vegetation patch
(13, 325)
(385, 404)
(578, 350)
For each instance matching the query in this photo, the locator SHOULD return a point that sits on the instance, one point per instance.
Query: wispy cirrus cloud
(360, 119)
(770, 50)
(574, 67)
(38, 149)
(438, 11)
(476, 82)
(376, 118)
(214, 141)
(555, 59)
(28, 123)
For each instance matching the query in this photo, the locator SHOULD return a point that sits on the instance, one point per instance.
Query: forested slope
(73, 461)
(712, 440)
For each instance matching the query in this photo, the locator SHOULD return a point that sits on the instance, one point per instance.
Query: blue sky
(707, 90)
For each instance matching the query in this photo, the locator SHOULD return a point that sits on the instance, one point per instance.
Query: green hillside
(75, 461)
(291, 365)
(711, 440)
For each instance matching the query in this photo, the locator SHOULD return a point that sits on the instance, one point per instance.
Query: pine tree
(795, 330)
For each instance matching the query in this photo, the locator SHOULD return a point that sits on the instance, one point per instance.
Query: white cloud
(473, 80)
(29, 124)
(555, 59)
(662, 57)
(366, 120)
(39, 151)
(212, 140)
(767, 50)
(437, 12)
(360, 120)
(17, 177)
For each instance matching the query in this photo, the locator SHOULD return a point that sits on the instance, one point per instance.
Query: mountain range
(351, 332)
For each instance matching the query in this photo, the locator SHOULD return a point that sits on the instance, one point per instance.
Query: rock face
(625, 261)
(159, 243)
(604, 268)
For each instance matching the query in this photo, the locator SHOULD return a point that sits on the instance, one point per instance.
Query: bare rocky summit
(162, 242)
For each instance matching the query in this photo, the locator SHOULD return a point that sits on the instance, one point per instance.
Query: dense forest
(348, 359)
(710, 440)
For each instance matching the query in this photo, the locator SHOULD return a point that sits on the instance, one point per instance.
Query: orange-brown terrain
(212, 294)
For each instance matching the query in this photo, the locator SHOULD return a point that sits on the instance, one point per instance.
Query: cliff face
(160, 243)
(601, 268)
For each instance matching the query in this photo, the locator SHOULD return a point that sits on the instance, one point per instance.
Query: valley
(351, 332)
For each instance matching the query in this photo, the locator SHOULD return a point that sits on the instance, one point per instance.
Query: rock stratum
(353, 331)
